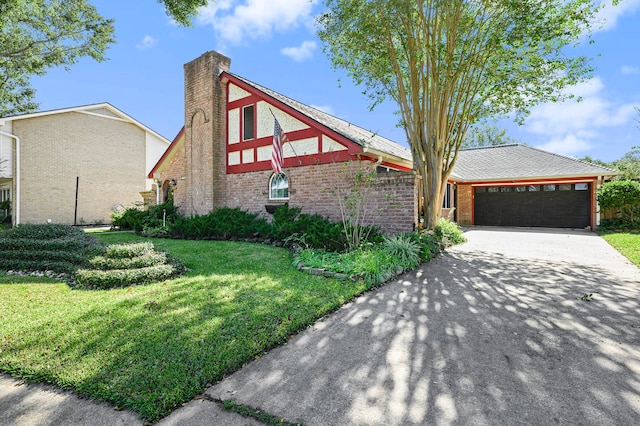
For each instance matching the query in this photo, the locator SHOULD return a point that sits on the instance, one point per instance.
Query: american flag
(279, 138)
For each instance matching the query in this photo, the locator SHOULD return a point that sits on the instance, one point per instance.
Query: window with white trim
(279, 187)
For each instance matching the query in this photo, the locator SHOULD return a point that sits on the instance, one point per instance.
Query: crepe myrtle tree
(451, 63)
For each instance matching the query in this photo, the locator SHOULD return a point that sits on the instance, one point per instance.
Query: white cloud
(147, 43)
(300, 53)
(324, 108)
(629, 70)
(236, 21)
(608, 16)
(569, 145)
(573, 127)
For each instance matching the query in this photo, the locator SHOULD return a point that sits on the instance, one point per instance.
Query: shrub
(100, 279)
(43, 232)
(624, 197)
(133, 218)
(448, 233)
(403, 251)
(223, 223)
(119, 251)
(143, 261)
(428, 244)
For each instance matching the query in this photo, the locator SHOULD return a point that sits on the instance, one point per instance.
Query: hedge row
(99, 279)
(149, 259)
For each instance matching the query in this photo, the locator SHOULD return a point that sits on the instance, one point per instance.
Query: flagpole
(290, 144)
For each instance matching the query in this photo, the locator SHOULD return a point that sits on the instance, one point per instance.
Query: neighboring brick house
(222, 157)
(517, 185)
(75, 164)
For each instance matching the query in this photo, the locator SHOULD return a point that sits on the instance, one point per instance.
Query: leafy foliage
(449, 64)
(487, 135)
(404, 250)
(182, 11)
(36, 35)
(623, 196)
(68, 250)
(448, 233)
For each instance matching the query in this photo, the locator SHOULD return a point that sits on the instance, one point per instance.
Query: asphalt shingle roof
(350, 131)
(506, 162)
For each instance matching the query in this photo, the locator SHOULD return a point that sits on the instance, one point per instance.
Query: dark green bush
(43, 232)
(44, 255)
(133, 218)
(622, 196)
(223, 223)
(37, 265)
(313, 230)
(428, 244)
(86, 243)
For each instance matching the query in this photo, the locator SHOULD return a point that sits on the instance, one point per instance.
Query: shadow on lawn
(470, 338)
(180, 335)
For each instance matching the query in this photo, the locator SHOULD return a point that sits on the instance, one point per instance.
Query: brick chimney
(205, 99)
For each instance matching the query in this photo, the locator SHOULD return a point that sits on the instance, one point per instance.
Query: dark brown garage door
(552, 206)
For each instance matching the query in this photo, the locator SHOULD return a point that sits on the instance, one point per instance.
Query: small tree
(624, 197)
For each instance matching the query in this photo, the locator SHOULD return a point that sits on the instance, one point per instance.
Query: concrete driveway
(491, 332)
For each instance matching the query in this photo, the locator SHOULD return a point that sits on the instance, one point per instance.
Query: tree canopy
(183, 10)
(36, 35)
(487, 135)
(450, 63)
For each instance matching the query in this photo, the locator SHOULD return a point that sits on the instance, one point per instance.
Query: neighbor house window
(446, 201)
(248, 120)
(279, 187)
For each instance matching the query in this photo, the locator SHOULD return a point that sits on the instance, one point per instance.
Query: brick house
(75, 164)
(222, 156)
(517, 185)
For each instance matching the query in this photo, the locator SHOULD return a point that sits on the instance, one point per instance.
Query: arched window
(279, 187)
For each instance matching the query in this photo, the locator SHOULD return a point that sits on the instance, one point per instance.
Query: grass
(150, 348)
(626, 243)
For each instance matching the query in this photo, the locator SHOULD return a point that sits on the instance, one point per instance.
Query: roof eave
(532, 178)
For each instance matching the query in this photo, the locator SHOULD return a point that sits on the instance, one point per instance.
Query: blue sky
(273, 43)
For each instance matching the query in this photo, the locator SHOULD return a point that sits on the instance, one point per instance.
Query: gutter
(17, 200)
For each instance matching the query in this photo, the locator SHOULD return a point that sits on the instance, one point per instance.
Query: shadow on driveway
(473, 337)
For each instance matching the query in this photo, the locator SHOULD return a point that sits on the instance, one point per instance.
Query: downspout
(17, 200)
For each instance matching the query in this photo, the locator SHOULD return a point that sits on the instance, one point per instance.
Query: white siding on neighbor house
(265, 120)
(6, 151)
(6, 156)
(236, 93)
(155, 147)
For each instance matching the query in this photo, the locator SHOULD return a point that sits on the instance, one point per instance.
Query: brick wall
(205, 151)
(465, 204)
(107, 155)
(392, 204)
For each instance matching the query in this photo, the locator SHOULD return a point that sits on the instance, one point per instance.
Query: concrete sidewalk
(491, 332)
(35, 404)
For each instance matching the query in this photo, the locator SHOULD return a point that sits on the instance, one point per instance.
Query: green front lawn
(626, 243)
(150, 348)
